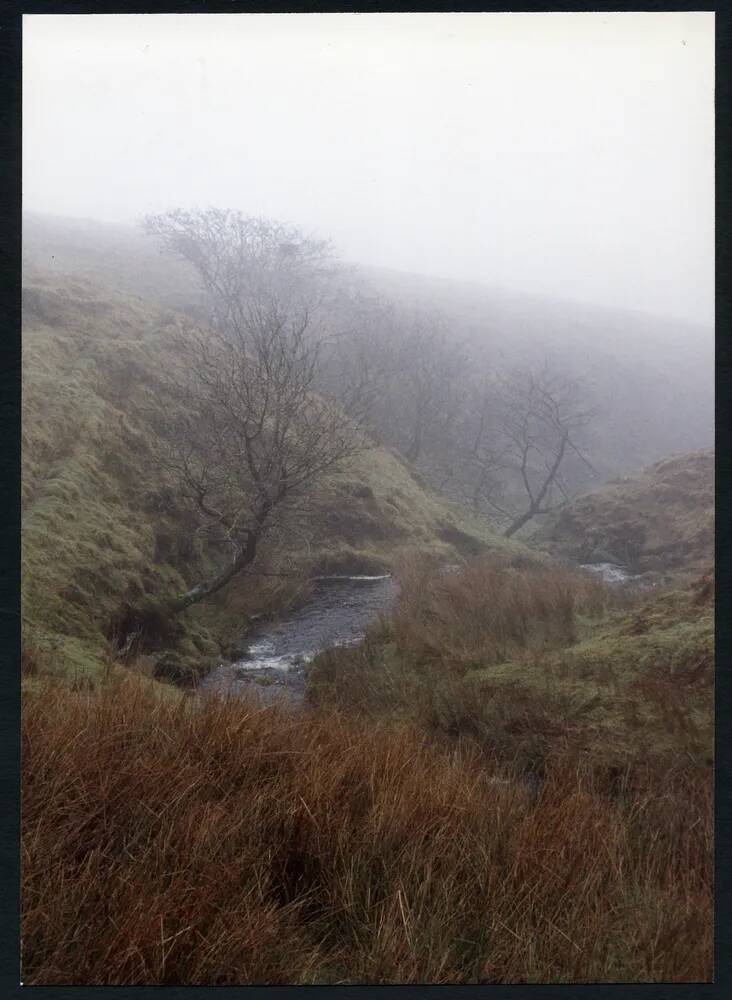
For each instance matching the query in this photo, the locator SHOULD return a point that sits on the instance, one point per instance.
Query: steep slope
(95, 536)
(660, 519)
(120, 257)
(651, 378)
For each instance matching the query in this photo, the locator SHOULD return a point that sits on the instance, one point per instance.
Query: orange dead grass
(213, 842)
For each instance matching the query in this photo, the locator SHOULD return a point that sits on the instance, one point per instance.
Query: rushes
(185, 842)
(489, 611)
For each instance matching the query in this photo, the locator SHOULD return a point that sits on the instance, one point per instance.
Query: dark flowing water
(336, 615)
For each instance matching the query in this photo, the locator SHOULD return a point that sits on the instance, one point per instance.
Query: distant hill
(652, 378)
(661, 519)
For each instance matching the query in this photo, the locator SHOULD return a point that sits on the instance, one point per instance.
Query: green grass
(374, 512)
(659, 520)
(94, 538)
(516, 668)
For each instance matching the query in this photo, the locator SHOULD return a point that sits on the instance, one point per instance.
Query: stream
(337, 614)
(610, 572)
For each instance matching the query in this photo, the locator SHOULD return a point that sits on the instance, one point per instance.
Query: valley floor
(510, 780)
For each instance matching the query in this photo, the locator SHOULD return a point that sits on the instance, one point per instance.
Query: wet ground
(337, 614)
(610, 572)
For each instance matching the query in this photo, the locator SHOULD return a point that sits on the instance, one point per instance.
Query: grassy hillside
(96, 534)
(120, 257)
(509, 780)
(646, 373)
(660, 519)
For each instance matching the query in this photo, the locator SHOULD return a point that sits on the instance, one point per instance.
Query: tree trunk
(520, 521)
(208, 587)
(535, 506)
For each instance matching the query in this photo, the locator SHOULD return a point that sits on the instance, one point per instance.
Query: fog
(568, 155)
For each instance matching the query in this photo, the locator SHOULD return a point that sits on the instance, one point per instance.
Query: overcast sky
(562, 154)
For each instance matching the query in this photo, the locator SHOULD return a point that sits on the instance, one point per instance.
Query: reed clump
(209, 842)
(489, 610)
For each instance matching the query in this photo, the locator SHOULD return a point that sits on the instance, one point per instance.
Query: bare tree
(482, 449)
(398, 374)
(541, 413)
(432, 370)
(247, 437)
(362, 358)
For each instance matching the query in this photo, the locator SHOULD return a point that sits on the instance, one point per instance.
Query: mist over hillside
(368, 523)
(651, 378)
